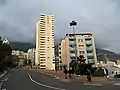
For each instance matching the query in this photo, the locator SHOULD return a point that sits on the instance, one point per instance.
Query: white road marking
(44, 84)
(56, 77)
(3, 74)
(1, 83)
(65, 80)
(6, 79)
(117, 84)
(92, 84)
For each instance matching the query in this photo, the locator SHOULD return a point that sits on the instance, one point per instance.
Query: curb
(72, 80)
(3, 74)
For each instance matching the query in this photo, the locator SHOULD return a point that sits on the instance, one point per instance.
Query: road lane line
(1, 84)
(3, 74)
(51, 87)
(117, 84)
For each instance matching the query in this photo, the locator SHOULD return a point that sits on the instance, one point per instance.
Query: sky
(100, 17)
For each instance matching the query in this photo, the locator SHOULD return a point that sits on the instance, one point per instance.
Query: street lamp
(73, 24)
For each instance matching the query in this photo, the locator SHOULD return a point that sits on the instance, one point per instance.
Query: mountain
(103, 55)
(21, 46)
(98, 51)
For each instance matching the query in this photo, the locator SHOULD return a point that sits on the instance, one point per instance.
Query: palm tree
(82, 59)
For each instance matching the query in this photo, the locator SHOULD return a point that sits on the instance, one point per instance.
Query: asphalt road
(18, 79)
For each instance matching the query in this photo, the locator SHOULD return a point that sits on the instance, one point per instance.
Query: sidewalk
(75, 78)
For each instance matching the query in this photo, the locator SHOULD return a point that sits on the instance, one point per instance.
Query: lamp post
(73, 24)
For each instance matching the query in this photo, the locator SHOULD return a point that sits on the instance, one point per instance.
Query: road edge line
(91, 84)
(43, 84)
(116, 84)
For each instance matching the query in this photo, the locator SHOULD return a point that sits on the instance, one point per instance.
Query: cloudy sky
(101, 17)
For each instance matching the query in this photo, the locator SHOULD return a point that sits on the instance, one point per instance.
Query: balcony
(72, 49)
(91, 61)
(71, 38)
(72, 55)
(88, 43)
(88, 38)
(72, 43)
(90, 56)
(89, 50)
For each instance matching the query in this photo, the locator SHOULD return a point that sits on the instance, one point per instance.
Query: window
(81, 45)
(42, 46)
(42, 37)
(42, 60)
(81, 52)
(42, 57)
(42, 42)
(42, 54)
(42, 65)
(80, 40)
(42, 49)
(42, 32)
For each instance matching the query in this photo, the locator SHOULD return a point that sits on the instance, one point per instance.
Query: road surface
(19, 79)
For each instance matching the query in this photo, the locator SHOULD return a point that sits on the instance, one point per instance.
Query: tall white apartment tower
(45, 56)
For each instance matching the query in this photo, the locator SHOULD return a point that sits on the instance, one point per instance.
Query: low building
(85, 46)
(21, 55)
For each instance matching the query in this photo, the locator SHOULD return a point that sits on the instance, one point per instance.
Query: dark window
(42, 65)
(42, 57)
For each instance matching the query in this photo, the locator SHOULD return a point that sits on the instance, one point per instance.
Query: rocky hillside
(101, 53)
(21, 46)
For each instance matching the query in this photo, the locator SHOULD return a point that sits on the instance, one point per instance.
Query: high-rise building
(85, 46)
(45, 42)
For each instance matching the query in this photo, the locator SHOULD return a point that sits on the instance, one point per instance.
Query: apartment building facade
(45, 42)
(85, 46)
